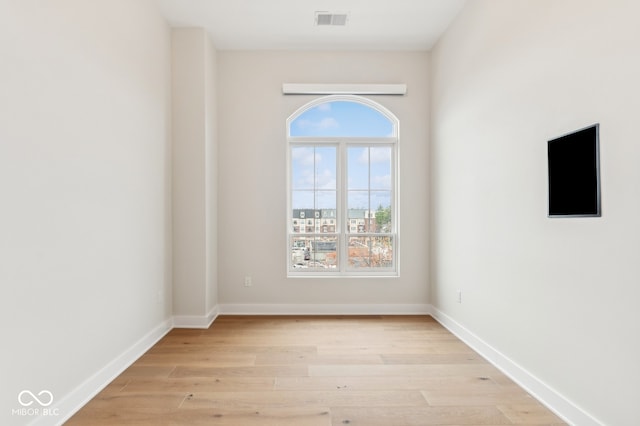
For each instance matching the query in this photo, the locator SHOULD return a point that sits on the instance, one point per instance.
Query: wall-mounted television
(574, 173)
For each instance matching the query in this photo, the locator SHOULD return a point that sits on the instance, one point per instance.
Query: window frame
(342, 232)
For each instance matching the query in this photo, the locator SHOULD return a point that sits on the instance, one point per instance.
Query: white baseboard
(324, 309)
(74, 401)
(195, 321)
(556, 402)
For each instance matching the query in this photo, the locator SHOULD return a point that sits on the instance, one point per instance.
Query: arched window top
(342, 116)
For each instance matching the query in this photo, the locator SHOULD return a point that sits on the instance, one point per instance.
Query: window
(343, 154)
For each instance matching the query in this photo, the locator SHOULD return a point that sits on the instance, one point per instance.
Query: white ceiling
(290, 24)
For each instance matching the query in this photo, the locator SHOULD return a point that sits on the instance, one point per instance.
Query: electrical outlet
(247, 281)
(459, 296)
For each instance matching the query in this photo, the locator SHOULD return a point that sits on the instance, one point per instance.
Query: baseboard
(324, 309)
(196, 321)
(74, 401)
(553, 400)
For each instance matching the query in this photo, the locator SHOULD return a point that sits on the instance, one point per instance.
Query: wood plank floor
(313, 371)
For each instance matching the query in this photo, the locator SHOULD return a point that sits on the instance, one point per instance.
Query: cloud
(323, 180)
(310, 172)
(380, 182)
(326, 179)
(324, 107)
(325, 123)
(306, 156)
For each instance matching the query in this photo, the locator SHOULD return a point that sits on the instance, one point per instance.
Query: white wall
(85, 242)
(559, 297)
(252, 160)
(194, 173)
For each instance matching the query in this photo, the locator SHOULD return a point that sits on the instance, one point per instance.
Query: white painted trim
(77, 398)
(548, 396)
(324, 309)
(196, 321)
(343, 89)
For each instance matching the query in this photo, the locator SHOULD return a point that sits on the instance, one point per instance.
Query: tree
(383, 218)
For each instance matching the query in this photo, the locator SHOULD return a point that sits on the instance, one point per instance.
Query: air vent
(326, 18)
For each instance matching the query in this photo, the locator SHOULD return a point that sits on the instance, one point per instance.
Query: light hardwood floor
(310, 370)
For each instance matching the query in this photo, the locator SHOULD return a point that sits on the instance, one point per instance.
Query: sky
(314, 168)
(342, 118)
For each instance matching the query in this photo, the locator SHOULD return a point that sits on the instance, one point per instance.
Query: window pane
(382, 251)
(302, 210)
(300, 251)
(314, 188)
(328, 221)
(380, 171)
(370, 252)
(358, 168)
(358, 200)
(381, 202)
(325, 200)
(324, 252)
(314, 252)
(342, 118)
(325, 168)
(360, 220)
(313, 167)
(326, 212)
(302, 168)
(302, 200)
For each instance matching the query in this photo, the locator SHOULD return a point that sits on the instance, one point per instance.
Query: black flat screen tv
(574, 174)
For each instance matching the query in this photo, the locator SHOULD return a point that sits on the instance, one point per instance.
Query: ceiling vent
(326, 18)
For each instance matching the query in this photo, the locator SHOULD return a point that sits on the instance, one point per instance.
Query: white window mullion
(343, 184)
(395, 219)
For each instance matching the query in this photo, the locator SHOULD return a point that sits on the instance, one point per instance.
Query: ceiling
(290, 24)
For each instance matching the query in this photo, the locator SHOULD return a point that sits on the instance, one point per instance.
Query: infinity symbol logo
(45, 403)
